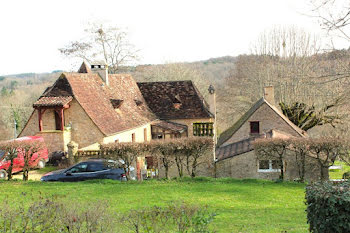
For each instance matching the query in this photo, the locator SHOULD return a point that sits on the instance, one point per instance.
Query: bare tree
(29, 149)
(9, 153)
(327, 151)
(107, 43)
(126, 152)
(333, 15)
(300, 148)
(272, 149)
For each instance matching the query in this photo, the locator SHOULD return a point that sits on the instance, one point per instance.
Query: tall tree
(307, 117)
(102, 42)
(333, 15)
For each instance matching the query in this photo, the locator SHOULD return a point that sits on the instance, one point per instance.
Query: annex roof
(53, 101)
(174, 100)
(234, 128)
(246, 145)
(171, 126)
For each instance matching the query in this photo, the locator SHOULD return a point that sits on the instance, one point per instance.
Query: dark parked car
(89, 170)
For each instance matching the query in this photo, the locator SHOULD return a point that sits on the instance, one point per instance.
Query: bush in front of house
(175, 217)
(188, 154)
(328, 207)
(48, 214)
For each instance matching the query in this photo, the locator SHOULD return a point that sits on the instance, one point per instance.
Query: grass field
(240, 205)
(338, 174)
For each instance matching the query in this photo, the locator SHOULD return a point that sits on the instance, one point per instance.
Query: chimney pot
(102, 71)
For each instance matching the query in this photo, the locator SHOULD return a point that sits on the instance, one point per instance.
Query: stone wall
(54, 140)
(32, 126)
(83, 129)
(246, 166)
(268, 119)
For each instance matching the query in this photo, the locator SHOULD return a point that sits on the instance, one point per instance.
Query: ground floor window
(203, 129)
(269, 166)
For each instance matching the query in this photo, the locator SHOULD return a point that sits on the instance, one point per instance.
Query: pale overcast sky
(164, 30)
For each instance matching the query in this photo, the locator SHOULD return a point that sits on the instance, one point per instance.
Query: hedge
(328, 207)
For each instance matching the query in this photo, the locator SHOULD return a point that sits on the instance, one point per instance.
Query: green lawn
(240, 205)
(338, 174)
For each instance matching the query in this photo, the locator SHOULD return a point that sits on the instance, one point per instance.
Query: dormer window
(254, 127)
(138, 102)
(177, 106)
(116, 103)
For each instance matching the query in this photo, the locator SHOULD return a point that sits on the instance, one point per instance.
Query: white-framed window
(269, 166)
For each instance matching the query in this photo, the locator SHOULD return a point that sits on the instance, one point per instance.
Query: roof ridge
(237, 125)
(171, 81)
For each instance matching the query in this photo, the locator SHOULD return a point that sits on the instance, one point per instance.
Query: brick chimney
(102, 70)
(269, 94)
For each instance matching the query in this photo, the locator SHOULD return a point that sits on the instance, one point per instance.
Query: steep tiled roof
(95, 96)
(227, 134)
(174, 100)
(246, 145)
(234, 149)
(52, 101)
(84, 68)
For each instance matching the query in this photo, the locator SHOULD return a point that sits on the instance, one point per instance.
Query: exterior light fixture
(211, 89)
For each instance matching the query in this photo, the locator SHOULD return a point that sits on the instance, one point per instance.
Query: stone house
(92, 107)
(181, 112)
(235, 156)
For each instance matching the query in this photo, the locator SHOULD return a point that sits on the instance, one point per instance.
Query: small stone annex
(235, 156)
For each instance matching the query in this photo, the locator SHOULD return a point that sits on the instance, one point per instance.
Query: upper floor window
(203, 129)
(254, 127)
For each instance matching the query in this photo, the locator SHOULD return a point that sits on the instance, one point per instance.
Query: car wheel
(41, 164)
(3, 174)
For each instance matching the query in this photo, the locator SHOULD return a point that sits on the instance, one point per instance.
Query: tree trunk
(127, 172)
(282, 169)
(323, 178)
(302, 177)
(9, 170)
(26, 169)
(179, 166)
(194, 167)
(166, 172)
(25, 174)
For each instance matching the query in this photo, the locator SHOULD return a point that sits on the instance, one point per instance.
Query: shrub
(175, 217)
(49, 214)
(328, 207)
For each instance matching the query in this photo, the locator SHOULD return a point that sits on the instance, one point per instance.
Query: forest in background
(317, 79)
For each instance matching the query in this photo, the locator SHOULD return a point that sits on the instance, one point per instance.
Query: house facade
(89, 109)
(235, 154)
(92, 107)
